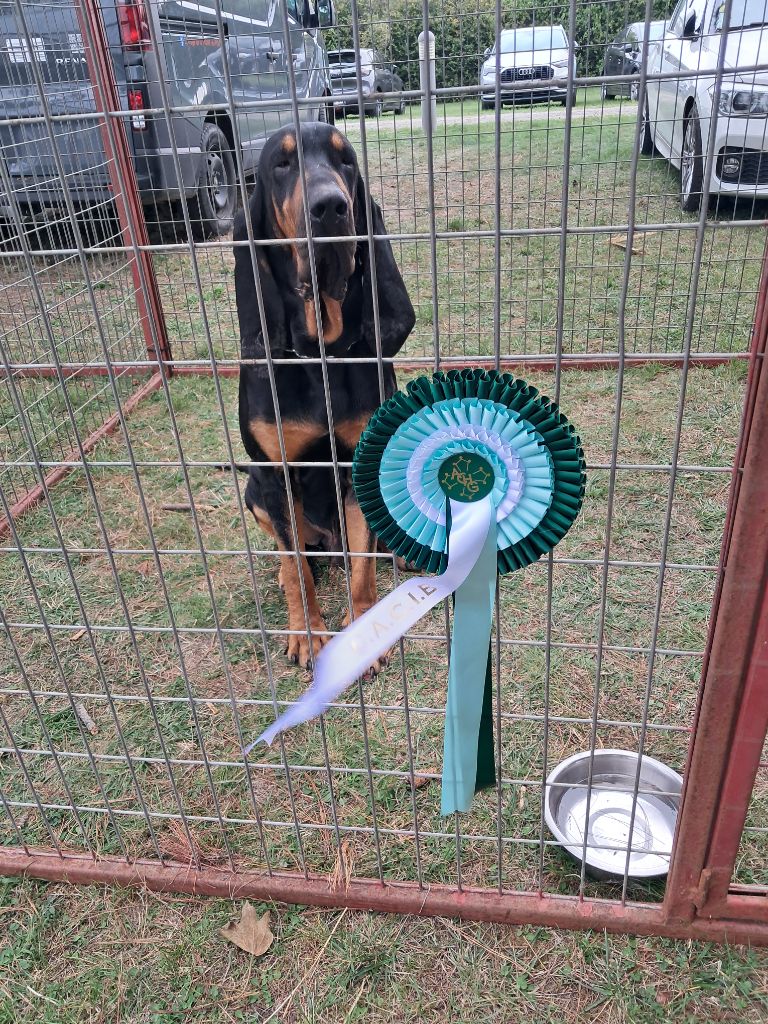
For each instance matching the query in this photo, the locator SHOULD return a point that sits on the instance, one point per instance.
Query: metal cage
(141, 616)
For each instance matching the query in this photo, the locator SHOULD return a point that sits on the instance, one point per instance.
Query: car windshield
(744, 14)
(348, 56)
(636, 33)
(524, 40)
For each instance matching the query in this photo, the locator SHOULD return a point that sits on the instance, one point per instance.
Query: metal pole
(427, 81)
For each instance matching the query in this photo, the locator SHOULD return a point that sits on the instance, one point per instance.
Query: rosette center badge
(465, 474)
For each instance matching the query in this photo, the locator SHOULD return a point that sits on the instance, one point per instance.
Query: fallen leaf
(77, 635)
(420, 780)
(251, 932)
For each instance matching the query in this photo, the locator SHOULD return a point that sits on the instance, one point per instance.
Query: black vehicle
(381, 85)
(624, 55)
(190, 62)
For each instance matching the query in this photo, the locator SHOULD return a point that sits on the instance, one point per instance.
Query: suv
(679, 112)
(191, 63)
(539, 56)
(380, 82)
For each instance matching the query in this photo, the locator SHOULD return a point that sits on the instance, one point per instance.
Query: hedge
(461, 36)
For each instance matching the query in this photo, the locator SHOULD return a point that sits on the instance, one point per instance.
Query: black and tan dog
(336, 200)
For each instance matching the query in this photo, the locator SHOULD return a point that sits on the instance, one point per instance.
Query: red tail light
(136, 103)
(134, 29)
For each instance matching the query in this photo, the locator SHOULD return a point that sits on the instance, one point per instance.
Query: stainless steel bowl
(610, 810)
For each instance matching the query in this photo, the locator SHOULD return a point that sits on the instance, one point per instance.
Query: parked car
(190, 61)
(679, 112)
(624, 55)
(382, 87)
(539, 56)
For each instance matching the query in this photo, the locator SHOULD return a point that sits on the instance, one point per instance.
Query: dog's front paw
(298, 646)
(379, 664)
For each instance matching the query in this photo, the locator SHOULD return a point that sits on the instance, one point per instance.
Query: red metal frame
(568, 361)
(469, 904)
(721, 761)
(123, 180)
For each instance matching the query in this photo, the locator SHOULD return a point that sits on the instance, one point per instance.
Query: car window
(678, 17)
(744, 14)
(524, 40)
(245, 14)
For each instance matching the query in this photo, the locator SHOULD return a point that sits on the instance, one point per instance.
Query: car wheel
(212, 210)
(691, 164)
(646, 138)
(401, 108)
(488, 104)
(327, 112)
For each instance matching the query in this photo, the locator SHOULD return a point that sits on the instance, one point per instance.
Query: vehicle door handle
(272, 55)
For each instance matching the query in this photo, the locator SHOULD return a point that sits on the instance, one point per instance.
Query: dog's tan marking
(298, 646)
(310, 317)
(360, 540)
(349, 431)
(337, 140)
(297, 437)
(342, 185)
(289, 144)
(333, 322)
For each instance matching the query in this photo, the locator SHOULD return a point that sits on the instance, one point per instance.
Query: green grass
(70, 956)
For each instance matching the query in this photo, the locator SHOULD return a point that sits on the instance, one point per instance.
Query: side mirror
(309, 15)
(326, 13)
(689, 28)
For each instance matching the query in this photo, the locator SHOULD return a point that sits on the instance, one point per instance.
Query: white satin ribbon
(348, 655)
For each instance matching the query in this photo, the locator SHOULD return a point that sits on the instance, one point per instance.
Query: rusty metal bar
(734, 620)
(123, 181)
(470, 904)
(571, 361)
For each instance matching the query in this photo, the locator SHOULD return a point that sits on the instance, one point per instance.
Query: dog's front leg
(295, 574)
(362, 545)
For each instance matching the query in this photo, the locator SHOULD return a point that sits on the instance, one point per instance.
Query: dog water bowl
(610, 810)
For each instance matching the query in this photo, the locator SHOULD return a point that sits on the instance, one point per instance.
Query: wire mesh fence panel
(148, 599)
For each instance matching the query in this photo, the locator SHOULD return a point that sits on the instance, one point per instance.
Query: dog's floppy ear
(396, 315)
(252, 344)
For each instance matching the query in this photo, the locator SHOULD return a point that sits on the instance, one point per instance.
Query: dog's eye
(283, 165)
(348, 161)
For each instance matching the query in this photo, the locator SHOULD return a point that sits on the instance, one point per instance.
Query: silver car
(534, 66)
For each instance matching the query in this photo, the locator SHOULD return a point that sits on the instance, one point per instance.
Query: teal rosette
(535, 453)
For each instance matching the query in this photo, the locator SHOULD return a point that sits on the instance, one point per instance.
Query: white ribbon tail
(350, 653)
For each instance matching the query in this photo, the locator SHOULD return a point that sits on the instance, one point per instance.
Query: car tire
(212, 209)
(487, 104)
(691, 164)
(327, 112)
(401, 108)
(646, 137)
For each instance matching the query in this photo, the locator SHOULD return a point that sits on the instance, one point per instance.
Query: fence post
(427, 81)
(734, 623)
(130, 210)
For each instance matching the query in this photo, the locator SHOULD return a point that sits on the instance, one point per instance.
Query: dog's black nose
(329, 208)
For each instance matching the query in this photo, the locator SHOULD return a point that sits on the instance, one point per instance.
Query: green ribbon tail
(468, 758)
(486, 759)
